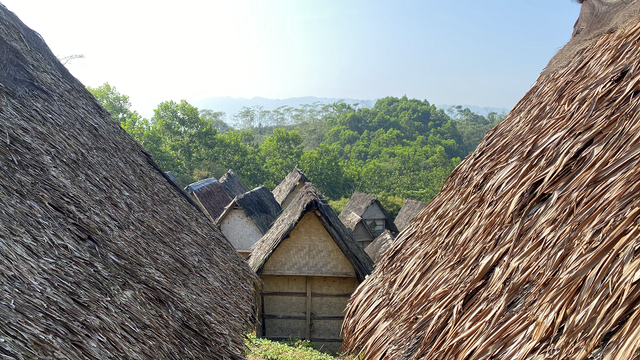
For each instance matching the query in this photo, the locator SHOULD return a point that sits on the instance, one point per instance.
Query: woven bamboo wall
(240, 229)
(360, 233)
(373, 212)
(309, 250)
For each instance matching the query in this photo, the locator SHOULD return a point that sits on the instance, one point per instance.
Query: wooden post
(307, 330)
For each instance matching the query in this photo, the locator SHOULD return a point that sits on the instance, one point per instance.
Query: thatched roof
(530, 251)
(173, 178)
(379, 245)
(211, 194)
(286, 187)
(309, 199)
(259, 204)
(101, 256)
(232, 184)
(409, 210)
(356, 207)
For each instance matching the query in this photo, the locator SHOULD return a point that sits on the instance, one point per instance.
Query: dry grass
(532, 248)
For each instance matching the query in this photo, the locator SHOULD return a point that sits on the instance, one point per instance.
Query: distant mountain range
(232, 106)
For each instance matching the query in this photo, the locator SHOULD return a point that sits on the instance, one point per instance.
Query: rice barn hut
(288, 189)
(211, 196)
(309, 265)
(366, 218)
(232, 184)
(409, 210)
(248, 217)
(101, 256)
(530, 250)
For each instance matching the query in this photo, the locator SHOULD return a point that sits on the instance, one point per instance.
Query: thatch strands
(531, 250)
(101, 256)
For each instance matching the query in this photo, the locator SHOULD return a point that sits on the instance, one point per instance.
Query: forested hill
(399, 148)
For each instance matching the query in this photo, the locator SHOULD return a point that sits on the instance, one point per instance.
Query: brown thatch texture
(380, 245)
(259, 204)
(212, 195)
(101, 257)
(232, 184)
(409, 210)
(309, 199)
(286, 187)
(356, 207)
(530, 251)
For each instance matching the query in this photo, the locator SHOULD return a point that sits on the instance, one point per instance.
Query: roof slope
(409, 210)
(530, 251)
(101, 256)
(212, 195)
(379, 245)
(232, 184)
(286, 187)
(260, 205)
(309, 199)
(357, 205)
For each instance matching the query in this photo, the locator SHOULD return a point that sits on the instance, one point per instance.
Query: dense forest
(398, 148)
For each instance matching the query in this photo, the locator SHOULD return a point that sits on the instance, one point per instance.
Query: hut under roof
(232, 184)
(288, 189)
(309, 265)
(366, 218)
(210, 195)
(248, 217)
(409, 210)
(102, 256)
(530, 250)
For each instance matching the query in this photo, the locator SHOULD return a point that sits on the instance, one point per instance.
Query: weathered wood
(307, 329)
(301, 294)
(300, 317)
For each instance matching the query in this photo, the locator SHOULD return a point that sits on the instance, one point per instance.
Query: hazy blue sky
(485, 53)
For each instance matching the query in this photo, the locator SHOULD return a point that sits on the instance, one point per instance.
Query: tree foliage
(399, 148)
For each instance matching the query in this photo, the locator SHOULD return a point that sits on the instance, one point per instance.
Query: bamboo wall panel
(309, 250)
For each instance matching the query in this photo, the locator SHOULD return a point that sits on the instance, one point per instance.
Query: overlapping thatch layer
(232, 184)
(101, 256)
(532, 248)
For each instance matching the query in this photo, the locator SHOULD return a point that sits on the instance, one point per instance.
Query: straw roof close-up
(259, 204)
(531, 249)
(409, 210)
(309, 199)
(286, 186)
(102, 256)
(232, 184)
(356, 207)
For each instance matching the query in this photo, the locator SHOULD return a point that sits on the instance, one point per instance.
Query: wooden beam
(307, 329)
(304, 294)
(300, 317)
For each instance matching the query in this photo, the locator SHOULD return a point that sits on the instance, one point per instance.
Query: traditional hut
(531, 249)
(310, 265)
(288, 189)
(101, 255)
(380, 245)
(210, 195)
(366, 218)
(409, 210)
(248, 217)
(232, 184)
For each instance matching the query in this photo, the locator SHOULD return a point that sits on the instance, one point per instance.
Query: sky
(483, 53)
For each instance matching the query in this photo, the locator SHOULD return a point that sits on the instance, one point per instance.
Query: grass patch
(263, 349)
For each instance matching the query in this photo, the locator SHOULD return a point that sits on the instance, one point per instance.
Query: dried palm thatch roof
(101, 256)
(211, 195)
(379, 245)
(286, 187)
(356, 207)
(309, 199)
(259, 204)
(409, 210)
(531, 249)
(232, 184)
